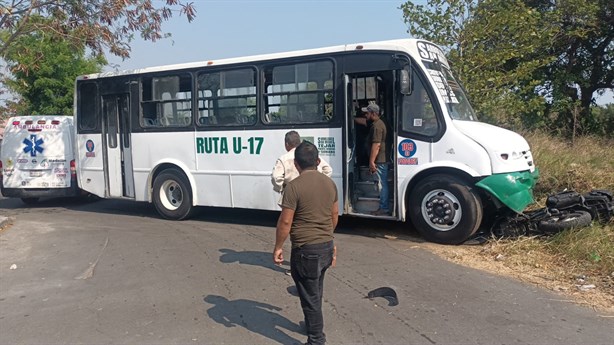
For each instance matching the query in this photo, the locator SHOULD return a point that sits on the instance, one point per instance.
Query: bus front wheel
(172, 195)
(444, 209)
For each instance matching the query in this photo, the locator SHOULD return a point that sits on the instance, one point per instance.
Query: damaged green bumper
(514, 190)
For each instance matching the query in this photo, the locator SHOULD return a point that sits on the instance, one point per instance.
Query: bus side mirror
(405, 82)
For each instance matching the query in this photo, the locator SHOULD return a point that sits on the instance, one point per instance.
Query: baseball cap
(371, 108)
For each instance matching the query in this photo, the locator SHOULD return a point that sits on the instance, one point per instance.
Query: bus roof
(377, 45)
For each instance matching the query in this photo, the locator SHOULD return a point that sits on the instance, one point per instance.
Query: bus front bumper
(514, 190)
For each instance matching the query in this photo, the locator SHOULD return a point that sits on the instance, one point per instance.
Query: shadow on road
(255, 316)
(249, 257)
(366, 227)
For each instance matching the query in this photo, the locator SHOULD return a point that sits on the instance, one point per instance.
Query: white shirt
(285, 171)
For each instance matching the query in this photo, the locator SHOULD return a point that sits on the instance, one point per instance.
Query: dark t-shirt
(377, 134)
(311, 196)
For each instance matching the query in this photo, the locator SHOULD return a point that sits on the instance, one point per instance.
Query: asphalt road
(113, 272)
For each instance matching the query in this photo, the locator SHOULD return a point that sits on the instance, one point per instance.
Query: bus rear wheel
(444, 209)
(172, 195)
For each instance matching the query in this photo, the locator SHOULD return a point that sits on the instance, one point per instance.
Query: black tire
(172, 195)
(563, 221)
(30, 201)
(444, 209)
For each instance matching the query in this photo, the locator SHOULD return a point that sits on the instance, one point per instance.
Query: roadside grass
(582, 166)
(572, 261)
(585, 165)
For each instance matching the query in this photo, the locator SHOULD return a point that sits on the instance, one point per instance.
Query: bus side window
(299, 93)
(166, 101)
(227, 98)
(418, 112)
(89, 116)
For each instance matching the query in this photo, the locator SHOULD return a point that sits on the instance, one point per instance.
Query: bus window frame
(97, 128)
(418, 73)
(220, 69)
(268, 66)
(188, 126)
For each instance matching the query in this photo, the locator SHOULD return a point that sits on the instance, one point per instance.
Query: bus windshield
(452, 93)
(456, 99)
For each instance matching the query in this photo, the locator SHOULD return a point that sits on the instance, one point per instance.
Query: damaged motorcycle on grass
(564, 210)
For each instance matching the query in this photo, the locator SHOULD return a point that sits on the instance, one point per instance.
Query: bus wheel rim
(171, 195)
(441, 210)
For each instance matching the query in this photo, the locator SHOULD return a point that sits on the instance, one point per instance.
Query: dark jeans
(308, 265)
(382, 184)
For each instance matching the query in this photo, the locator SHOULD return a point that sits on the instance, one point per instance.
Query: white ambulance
(37, 158)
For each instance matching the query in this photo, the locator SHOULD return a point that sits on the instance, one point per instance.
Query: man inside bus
(360, 118)
(376, 147)
(284, 170)
(309, 215)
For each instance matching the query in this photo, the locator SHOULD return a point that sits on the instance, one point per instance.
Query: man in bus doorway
(284, 170)
(309, 214)
(376, 146)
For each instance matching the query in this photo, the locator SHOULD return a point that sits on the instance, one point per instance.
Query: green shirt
(377, 134)
(311, 196)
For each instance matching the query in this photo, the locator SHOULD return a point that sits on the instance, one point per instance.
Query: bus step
(367, 189)
(365, 175)
(366, 205)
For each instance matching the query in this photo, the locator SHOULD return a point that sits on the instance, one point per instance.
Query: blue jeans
(382, 185)
(308, 265)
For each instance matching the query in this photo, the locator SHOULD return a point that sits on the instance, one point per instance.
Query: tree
(525, 62)
(492, 47)
(583, 48)
(504, 60)
(44, 68)
(100, 24)
(96, 25)
(442, 22)
(602, 121)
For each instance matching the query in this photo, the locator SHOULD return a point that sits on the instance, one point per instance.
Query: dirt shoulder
(573, 284)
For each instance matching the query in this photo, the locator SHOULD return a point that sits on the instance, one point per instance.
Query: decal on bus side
(407, 148)
(326, 145)
(219, 145)
(89, 147)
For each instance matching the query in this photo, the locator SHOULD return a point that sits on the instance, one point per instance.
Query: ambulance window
(88, 112)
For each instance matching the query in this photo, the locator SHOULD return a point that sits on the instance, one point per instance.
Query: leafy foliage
(44, 68)
(99, 24)
(442, 22)
(69, 28)
(525, 64)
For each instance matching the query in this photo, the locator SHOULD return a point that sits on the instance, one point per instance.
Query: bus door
(350, 142)
(361, 89)
(117, 145)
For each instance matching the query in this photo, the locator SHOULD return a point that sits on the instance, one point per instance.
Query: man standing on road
(284, 170)
(309, 215)
(376, 141)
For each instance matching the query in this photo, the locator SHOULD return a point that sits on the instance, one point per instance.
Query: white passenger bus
(208, 133)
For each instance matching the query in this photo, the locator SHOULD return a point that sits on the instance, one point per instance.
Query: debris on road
(89, 272)
(387, 293)
(586, 287)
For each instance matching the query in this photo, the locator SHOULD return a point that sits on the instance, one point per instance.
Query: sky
(234, 28)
